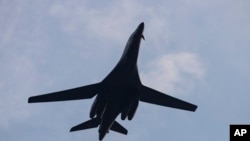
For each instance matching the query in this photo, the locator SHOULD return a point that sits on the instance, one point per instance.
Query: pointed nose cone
(141, 25)
(140, 28)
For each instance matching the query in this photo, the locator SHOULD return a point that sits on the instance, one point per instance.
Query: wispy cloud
(97, 23)
(9, 19)
(18, 77)
(174, 73)
(37, 38)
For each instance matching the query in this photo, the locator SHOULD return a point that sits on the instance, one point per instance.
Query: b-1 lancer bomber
(118, 93)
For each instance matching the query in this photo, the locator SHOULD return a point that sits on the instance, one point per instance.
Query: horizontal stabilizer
(154, 97)
(118, 128)
(92, 123)
(84, 92)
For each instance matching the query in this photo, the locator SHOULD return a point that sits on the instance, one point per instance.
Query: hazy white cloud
(9, 19)
(97, 23)
(18, 78)
(174, 73)
(35, 34)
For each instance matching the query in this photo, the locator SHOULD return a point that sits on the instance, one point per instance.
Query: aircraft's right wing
(83, 92)
(152, 96)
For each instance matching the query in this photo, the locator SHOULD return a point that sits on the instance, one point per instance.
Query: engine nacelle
(98, 106)
(133, 109)
(130, 108)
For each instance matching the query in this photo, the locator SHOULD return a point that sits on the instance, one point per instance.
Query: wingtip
(32, 100)
(195, 108)
(71, 130)
(29, 100)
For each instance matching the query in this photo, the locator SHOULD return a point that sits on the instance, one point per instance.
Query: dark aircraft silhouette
(118, 93)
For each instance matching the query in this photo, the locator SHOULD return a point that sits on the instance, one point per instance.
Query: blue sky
(194, 50)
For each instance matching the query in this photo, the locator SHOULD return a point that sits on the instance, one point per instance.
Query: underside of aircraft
(119, 93)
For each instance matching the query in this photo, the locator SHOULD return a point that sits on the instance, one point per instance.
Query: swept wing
(152, 96)
(84, 92)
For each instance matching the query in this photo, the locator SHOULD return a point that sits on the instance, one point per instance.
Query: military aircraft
(118, 93)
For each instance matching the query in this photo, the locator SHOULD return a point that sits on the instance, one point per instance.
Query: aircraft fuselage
(120, 88)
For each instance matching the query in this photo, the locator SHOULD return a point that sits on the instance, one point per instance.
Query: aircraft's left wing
(83, 92)
(152, 96)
